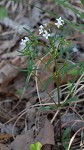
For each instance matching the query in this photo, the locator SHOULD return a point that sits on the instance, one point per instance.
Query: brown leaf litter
(16, 109)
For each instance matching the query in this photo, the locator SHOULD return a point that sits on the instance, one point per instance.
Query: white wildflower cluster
(42, 30)
(23, 41)
(59, 22)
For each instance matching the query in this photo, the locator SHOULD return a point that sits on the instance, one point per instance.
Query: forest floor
(23, 120)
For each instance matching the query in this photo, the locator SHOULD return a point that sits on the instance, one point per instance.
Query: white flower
(23, 41)
(43, 31)
(46, 34)
(74, 49)
(41, 28)
(45, 24)
(60, 22)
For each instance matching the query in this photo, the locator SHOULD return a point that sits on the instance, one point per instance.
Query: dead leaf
(35, 15)
(46, 147)
(81, 57)
(3, 147)
(2, 63)
(73, 121)
(14, 25)
(7, 73)
(5, 137)
(69, 14)
(46, 134)
(10, 55)
(22, 142)
(8, 44)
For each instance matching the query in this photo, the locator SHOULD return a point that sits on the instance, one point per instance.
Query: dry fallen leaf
(22, 142)
(8, 44)
(35, 15)
(7, 73)
(46, 134)
(5, 137)
(3, 147)
(73, 121)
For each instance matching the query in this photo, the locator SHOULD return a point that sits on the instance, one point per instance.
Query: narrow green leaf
(65, 133)
(69, 67)
(55, 15)
(66, 146)
(69, 100)
(82, 1)
(47, 64)
(69, 7)
(31, 33)
(47, 82)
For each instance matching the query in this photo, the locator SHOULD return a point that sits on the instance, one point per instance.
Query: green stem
(57, 81)
(58, 89)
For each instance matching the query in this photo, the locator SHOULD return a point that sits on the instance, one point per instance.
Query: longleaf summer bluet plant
(56, 47)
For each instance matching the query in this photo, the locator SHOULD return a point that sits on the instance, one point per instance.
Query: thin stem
(58, 91)
(54, 55)
(57, 80)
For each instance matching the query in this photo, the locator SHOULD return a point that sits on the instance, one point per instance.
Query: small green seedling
(36, 146)
(65, 138)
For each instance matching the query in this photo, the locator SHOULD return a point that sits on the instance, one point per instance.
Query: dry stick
(38, 63)
(76, 112)
(75, 7)
(46, 104)
(14, 117)
(82, 139)
(19, 100)
(71, 91)
(77, 92)
(79, 89)
(42, 85)
(77, 83)
(69, 122)
(54, 116)
(17, 121)
(68, 94)
(37, 88)
(74, 137)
